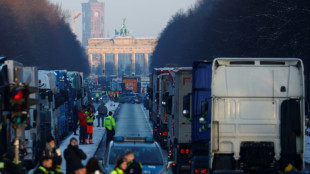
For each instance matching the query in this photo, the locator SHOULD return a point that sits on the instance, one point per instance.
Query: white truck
(28, 132)
(48, 111)
(31, 138)
(257, 122)
(179, 127)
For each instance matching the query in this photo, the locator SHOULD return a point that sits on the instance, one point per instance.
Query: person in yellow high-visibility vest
(114, 96)
(97, 97)
(109, 124)
(90, 117)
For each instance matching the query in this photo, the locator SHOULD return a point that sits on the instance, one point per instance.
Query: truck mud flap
(290, 129)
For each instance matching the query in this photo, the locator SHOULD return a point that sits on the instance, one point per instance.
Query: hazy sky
(146, 18)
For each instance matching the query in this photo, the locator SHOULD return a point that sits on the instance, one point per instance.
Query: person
(109, 124)
(93, 107)
(52, 151)
(146, 102)
(133, 167)
(7, 163)
(83, 124)
(46, 165)
(92, 166)
(110, 95)
(97, 97)
(120, 166)
(90, 117)
(114, 95)
(80, 169)
(102, 112)
(75, 118)
(57, 166)
(73, 156)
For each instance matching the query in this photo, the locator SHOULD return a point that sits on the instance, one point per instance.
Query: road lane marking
(146, 118)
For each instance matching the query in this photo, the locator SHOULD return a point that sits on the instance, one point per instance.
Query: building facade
(93, 20)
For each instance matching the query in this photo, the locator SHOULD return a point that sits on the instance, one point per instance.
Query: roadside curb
(103, 136)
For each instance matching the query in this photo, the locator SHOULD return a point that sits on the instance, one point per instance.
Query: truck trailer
(179, 127)
(158, 116)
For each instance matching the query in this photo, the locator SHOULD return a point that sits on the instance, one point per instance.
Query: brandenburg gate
(121, 45)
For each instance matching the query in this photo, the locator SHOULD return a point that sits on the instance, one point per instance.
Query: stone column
(103, 63)
(146, 64)
(133, 63)
(90, 62)
(116, 64)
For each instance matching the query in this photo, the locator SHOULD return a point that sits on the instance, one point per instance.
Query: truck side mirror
(169, 105)
(186, 105)
(204, 107)
(169, 164)
(157, 97)
(204, 111)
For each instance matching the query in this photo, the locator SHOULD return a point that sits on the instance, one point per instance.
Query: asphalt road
(131, 120)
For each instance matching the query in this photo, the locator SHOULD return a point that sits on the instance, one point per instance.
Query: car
(130, 98)
(146, 150)
(102, 97)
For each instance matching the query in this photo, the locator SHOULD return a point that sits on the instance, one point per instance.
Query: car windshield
(144, 155)
(94, 94)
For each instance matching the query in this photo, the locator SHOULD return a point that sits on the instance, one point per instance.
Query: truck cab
(258, 114)
(199, 112)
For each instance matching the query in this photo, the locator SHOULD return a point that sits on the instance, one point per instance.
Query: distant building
(93, 20)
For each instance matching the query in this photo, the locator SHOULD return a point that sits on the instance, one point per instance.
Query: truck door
(202, 75)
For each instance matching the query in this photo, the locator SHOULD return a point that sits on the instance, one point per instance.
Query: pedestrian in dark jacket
(45, 166)
(133, 167)
(93, 107)
(102, 112)
(57, 169)
(92, 166)
(73, 156)
(83, 124)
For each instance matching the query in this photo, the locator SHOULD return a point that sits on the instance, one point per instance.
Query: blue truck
(197, 107)
(64, 103)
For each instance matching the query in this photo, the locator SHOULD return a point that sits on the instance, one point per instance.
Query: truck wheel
(132, 101)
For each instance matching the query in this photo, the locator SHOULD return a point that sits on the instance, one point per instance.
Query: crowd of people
(127, 165)
(86, 118)
(51, 160)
